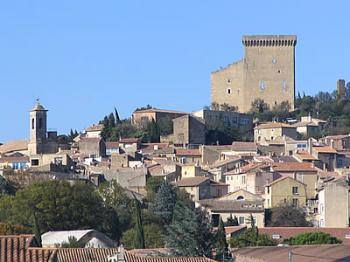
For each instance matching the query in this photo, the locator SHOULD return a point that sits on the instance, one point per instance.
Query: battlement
(269, 40)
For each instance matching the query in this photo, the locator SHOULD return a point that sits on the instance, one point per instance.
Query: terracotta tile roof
(192, 181)
(287, 232)
(234, 229)
(84, 254)
(17, 249)
(325, 149)
(293, 167)
(273, 125)
(252, 166)
(283, 178)
(129, 257)
(129, 140)
(95, 128)
(187, 152)
(110, 145)
(307, 253)
(336, 137)
(244, 146)
(216, 205)
(304, 155)
(18, 145)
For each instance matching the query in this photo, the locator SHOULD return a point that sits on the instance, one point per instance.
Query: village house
(338, 142)
(94, 131)
(112, 147)
(92, 147)
(333, 204)
(242, 209)
(327, 157)
(188, 156)
(304, 172)
(201, 187)
(160, 116)
(285, 190)
(270, 131)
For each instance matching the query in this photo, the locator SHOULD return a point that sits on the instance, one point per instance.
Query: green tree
(153, 132)
(221, 243)
(259, 106)
(117, 202)
(139, 239)
(312, 238)
(190, 233)
(231, 221)
(152, 186)
(154, 237)
(116, 116)
(72, 243)
(287, 215)
(54, 205)
(164, 202)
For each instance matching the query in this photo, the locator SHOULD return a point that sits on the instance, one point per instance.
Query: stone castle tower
(38, 129)
(267, 71)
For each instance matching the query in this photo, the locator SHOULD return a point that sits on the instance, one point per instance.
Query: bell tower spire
(38, 128)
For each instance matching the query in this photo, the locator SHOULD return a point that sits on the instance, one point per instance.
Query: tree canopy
(312, 238)
(287, 215)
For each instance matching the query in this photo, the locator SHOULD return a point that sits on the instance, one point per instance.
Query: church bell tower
(38, 129)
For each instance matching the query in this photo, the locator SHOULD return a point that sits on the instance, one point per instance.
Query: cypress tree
(221, 243)
(139, 239)
(117, 118)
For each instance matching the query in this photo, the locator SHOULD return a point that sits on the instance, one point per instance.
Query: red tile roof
(325, 149)
(287, 232)
(110, 145)
(293, 167)
(251, 166)
(304, 155)
(273, 125)
(155, 110)
(85, 254)
(129, 257)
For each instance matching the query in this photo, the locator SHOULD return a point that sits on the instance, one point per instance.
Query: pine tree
(139, 239)
(221, 243)
(164, 202)
(189, 234)
(231, 221)
(117, 118)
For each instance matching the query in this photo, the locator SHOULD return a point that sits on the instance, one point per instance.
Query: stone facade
(214, 118)
(188, 130)
(267, 71)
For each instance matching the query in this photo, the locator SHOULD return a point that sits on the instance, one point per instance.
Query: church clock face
(262, 85)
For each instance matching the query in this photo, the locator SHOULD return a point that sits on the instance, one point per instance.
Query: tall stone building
(38, 129)
(267, 71)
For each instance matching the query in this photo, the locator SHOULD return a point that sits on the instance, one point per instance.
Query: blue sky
(83, 58)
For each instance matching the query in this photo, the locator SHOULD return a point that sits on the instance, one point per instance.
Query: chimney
(309, 145)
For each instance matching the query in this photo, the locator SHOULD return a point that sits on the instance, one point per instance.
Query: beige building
(160, 116)
(267, 71)
(333, 204)
(242, 209)
(285, 190)
(188, 130)
(271, 131)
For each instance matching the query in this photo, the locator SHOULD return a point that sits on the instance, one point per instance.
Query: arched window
(240, 198)
(32, 123)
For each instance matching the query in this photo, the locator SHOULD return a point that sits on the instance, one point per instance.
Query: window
(35, 162)
(240, 198)
(295, 202)
(241, 220)
(32, 123)
(262, 85)
(295, 190)
(228, 80)
(228, 90)
(272, 138)
(268, 190)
